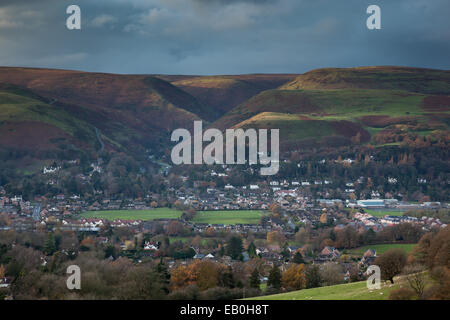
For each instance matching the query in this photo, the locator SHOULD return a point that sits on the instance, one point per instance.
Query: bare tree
(415, 275)
(331, 274)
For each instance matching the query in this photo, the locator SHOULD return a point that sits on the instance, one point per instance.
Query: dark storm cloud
(223, 36)
(227, 2)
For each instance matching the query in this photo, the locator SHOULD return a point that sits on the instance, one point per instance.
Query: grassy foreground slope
(348, 291)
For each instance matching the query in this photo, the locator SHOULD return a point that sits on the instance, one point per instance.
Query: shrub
(402, 294)
(190, 292)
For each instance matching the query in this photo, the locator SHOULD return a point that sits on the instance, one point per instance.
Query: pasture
(229, 217)
(152, 214)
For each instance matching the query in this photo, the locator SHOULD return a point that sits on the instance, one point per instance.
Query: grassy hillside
(31, 122)
(222, 93)
(46, 109)
(348, 291)
(131, 111)
(102, 90)
(419, 80)
(340, 103)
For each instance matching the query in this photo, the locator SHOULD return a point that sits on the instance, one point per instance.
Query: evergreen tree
(313, 278)
(164, 275)
(274, 278)
(252, 250)
(254, 279)
(226, 278)
(221, 251)
(298, 258)
(234, 247)
(285, 252)
(110, 251)
(50, 244)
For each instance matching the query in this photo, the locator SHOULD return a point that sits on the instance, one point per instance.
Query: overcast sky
(223, 36)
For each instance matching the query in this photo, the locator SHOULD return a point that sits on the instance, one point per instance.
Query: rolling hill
(331, 106)
(418, 80)
(54, 112)
(131, 112)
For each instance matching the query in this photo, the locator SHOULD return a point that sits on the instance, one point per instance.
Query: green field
(203, 241)
(182, 239)
(229, 217)
(158, 213)
(392, 144)
(210, 217)
(348, 291)
(381, 248)
(382, 213)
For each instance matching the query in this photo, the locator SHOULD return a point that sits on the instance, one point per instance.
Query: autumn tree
(441, 277)
(391, 263)
(175, 228)
(207, 274)
(294, 277)
(275, 237)
(326, 243)
(432, 249)
(275, 209)
(181, 277)
(323, 218)
(202, 273)
(88, 243)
